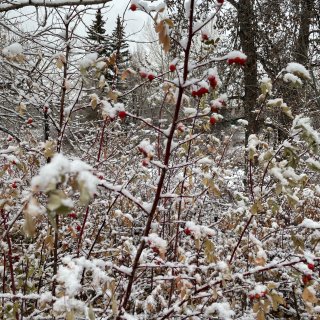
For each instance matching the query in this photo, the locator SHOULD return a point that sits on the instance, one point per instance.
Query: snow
(59, 169)
(266, 80)
(89, 181)
(46, 297)
(174, 61)
(108, 110)
(236, 54)
(298, 70)
(88, 60)
(190, 111)
(242, 122)
(203, 84)
(213, 72)
(77, 166)
(187, 8)
(310, 224)
(258, 289)
(155, 241)
(198, 231)
(146, 148)
(205, 160)
(314, 163)
(289, 77)
(222, 266)
(223, 309)
(305, 123)
(275, 102)
(65, 304)
(125, 270)
(12, 50)
(253, 142)
(70, 276)
(127, 316)
(183, 43)
(51, 174)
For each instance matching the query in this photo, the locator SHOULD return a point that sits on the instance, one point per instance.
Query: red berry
(187, 231)
(78, 227)
(257, 295)
(101, 177)
(213, 81)
(145, 162)
(263, 294)
(72, 215)
(151, 77)
(144, 152)
(214, 109)
(202, 91)
(45, 109)
(133, 7)
(172, 67)
(306, 278)
(14, 185)
(213, 120)
(143, 74)
(220, 1)
(237, 60)
(9, 138)
(311, 266)
(251, 296)
(122, 114)
(29, 121)
(155, 250)
(194, 93)
(204, 37)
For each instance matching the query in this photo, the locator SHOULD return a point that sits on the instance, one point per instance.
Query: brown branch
(54, 4)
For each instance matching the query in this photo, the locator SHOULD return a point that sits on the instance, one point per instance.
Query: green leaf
(91, 313)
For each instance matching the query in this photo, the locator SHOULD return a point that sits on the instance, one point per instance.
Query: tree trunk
(247, 34)
(302, 43)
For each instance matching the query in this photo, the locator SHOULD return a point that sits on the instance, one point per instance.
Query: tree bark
(247, 34)
(302, 43)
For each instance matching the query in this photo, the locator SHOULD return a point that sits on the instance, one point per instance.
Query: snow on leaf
(289, 77)
(310, 224)
(12, 50)
(88, 60)
(222, 309)
(298, 70)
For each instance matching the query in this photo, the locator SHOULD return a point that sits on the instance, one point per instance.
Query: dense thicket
(175, 180)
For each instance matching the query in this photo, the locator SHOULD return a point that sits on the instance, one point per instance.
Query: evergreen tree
(116, 43)
(96, 33)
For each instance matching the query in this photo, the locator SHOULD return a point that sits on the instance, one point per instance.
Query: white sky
(135, 21)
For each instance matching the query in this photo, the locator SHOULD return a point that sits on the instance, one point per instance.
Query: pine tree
(96, 33)
(116, 43)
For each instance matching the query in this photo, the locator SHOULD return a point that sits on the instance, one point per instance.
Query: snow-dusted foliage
(161, 213)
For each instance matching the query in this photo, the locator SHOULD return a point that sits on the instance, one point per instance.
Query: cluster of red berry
(257, 295)
(308, 276)
(145, 75)
(213, 81)
(237, 60)
(200, 92)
